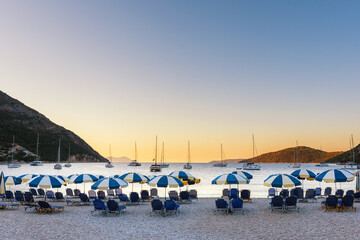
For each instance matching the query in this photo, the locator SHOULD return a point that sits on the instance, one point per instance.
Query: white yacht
(251, 165)
(155, 167)
(221, 163)
(188, 164)
(109, 165)
(68, 164)
(135, 163)
(58, 166)
(162, 160)
(37, 161)
(322, 164)
(296, 163)
(14, 163)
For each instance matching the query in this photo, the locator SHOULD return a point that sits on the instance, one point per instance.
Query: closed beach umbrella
(182, 175)
(26, 177)
(230, 178)
(244, 174)
(2, 184)
(132, 177)
(46, 181)
(357, 175)
(281, 181)
(335, 175)
(165, 182)
(83, 178)
(109, 183)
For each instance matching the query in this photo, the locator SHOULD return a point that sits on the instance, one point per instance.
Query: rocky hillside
(25, 123)
(306, 155)
(346, 156)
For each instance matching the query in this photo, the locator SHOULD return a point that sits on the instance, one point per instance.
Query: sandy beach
(195, 221)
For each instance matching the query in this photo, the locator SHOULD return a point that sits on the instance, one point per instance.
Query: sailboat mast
(189, 157)
(13, 150)
(110, 152)
(221, 149)
(162, 154)
(156, 151)
(69, 153)
(59, 150)
(253, 146)
(135, 152)
(353, 147)
(37, 146)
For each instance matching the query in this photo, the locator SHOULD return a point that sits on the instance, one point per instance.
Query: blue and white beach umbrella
(182, 175)
(46, 181)
(304, 173)
(244, 174)
(65, 179)
(165, 182)
(83, 178)
(230, 178)
(72, 175)
(27, 177)
(109, 183)
(335, 175)
(281, 181)
(132, 177)
(11, 181)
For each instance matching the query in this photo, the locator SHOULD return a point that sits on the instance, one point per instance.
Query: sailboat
(68, 164)
(134, 163)
(37, 161)
(188, 164)
(109, 165)
(351, 164)
(321, 164)
(14, 163)
(155, 167)
(252, 165)
(162, 160)
(296, 163)
(58, 165)
(221, 163)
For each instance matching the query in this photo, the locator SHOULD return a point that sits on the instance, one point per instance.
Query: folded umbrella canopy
(2, 184)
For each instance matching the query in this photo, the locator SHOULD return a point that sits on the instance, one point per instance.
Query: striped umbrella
(83, 178)
(132, 177)
(230, 178)
(304, 174)
(165, 182)
(2, 184)
(46, 181)
(27, 177)
(64, 178)
(244, 174)
(335, 175)
(109, 183)
(357, 174)
(11, 181)
(281, 181)
(182, 175)
(72, 175)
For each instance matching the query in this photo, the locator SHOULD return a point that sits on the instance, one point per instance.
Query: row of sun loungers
(333, 203)
(160, 208)
(280, 204)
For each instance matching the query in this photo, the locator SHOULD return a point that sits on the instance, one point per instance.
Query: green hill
(346, 157)
(25, 123)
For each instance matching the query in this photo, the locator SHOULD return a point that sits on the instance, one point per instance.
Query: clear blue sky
(208, 71)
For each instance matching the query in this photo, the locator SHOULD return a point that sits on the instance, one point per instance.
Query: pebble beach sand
(195, 221)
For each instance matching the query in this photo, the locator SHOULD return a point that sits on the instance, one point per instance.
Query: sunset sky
(212, 72)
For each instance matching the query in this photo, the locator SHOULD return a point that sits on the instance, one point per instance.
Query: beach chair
(101, 195)
(331, 204)
(277, 203)
(284, 193)
(41, 192)
(29, 203)
(221, 205)
(45, 207)
(245, 195)
(153, 192)
(185, 197)
(300, 194)
(193, 194)
(318, 192)
(293, 192)
(59, 197)
(145, 196)
(113, 207)
(225, 193)
(234, 193)
(174, 195)
(118, 191)
(171, 206)
(347, 203)
(9, 196)
(110, 193)
(69, 193)
(124, 198)
(77, 192)
(350, 193)
(310, 195)
(19, 196)
(328, 191)
(339, 193)
(134, 198)
(99, 206)
(357, 197)
(291, 204)
(50, 195)
(157, 207)
(271, 192)
(237, 204)
(33, 192)
(5, 206)
(28, 197)
(92, 194)
(83, 200)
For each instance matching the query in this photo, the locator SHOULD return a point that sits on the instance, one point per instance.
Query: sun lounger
(284, 193)
(124, 198)
(185, 197)
(221, 205)
(59, 197)
(9, 205)
(271, 192)
(277, 203)
(357, 197)
(113, 207)
(234, 193)
(45, 207)
(69, 193)
(318, 192)
(83, 200)
(33, 192)
(237, 204)
(245, 195)
(153, 192)
(174, 195)
(171, 206)
(291, 204)
(134, 198)
(110, 193)
(310, 195)
(50, 195)
(331, 204)
(92, 194)
(339, 193)
(101, 195)
(118, 192)
(193, 195)
(350, 193)
(76, 192)
(157, 207)
(9, 196)
(41, 192)
(99, 206)
(225, 193)
(145, 195)
(19, 197)
(327, 191)
(347, 203)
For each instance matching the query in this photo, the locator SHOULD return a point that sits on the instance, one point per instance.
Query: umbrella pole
(165, 193)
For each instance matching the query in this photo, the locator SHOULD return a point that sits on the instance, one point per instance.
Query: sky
(211, 72)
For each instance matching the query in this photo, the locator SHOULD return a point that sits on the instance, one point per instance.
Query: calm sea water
(204, 171)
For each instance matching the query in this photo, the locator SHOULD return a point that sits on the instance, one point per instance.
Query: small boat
(14, 163)
(296, 163)
(134, 163)
(221, 163)
(352, 164)
(252, 165)
(68, 164)
(109, 165)
(321, 164)
(162, 160)
(188, 164)
(155, 167)
(37, 161)
(58, 165)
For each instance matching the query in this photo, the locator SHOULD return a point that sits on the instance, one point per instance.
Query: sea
(205, 171)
